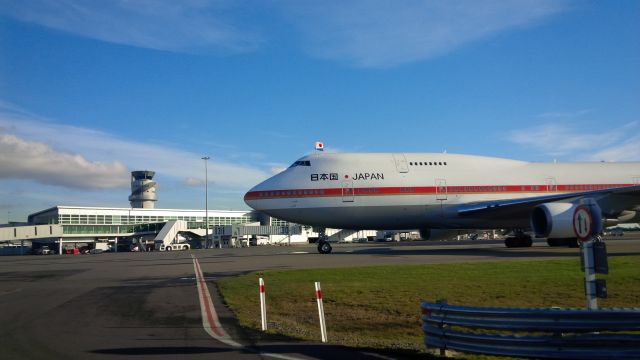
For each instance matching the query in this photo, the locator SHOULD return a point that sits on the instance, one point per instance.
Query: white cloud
(382, 33)
(104, 148)
(565, 114)
(184, 25)
(369, 33)
(21, 159)
(567, 140)
(627, 150)
(191, 181)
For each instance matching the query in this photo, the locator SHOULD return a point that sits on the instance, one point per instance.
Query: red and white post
(263, 306)
(323, 325)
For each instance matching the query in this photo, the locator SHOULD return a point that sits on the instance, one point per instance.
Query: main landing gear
(323, 245)
(519, 239)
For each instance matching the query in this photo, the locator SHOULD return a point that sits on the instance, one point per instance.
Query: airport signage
(582, 223)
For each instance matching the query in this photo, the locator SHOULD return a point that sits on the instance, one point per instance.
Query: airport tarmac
(146, 305)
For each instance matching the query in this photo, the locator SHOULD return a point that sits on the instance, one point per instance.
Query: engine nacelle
(629, 216)
(555, 220)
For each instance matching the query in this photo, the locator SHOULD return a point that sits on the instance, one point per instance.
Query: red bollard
(323, 326)
(263, 305)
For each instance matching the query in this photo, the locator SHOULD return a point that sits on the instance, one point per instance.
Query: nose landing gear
(323, 245)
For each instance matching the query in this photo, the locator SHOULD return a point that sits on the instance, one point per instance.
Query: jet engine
(555, 220)
(627, 216)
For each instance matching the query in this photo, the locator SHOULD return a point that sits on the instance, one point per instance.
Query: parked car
(43, 250)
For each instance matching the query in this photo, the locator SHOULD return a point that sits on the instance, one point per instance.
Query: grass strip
(378, 306)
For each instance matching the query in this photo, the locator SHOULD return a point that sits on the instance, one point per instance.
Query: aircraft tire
(324, 248)
(511, 242)
(514, 242)
(168, 248)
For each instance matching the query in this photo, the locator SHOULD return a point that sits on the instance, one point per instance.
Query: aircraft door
(347, 191)
(552, 185)
(401, 163)
(441, 189)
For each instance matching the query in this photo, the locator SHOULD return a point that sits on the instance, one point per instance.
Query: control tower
(143, 190)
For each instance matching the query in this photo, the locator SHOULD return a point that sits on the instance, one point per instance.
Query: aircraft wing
(515, 206)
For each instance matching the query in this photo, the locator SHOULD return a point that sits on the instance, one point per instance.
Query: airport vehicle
(174, 246)
(43, 250)
(441, 192)
(617, 232)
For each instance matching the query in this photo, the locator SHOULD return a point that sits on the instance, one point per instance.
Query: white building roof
(85, 210)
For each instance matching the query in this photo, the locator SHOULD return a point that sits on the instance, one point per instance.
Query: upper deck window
(301, 163)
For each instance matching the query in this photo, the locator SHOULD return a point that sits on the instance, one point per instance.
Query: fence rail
(539, 333)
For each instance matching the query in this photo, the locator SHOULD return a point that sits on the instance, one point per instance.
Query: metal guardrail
(536, 333)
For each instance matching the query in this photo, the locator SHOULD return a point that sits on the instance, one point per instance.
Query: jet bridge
(30, 232)
(16, 238)
(229, 235)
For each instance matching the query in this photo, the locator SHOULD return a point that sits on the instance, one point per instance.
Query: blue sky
(90, 90)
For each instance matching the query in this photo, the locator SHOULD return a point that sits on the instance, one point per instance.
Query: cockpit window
(301, 163)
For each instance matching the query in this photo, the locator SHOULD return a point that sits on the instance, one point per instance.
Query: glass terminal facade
(121, 221)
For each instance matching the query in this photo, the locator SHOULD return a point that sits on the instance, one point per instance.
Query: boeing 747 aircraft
(428, 191)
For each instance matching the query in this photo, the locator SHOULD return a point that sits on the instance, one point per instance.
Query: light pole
(206, 202)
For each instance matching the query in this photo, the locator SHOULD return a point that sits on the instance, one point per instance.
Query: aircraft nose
(251, 198)
(248, 198)
(256, 198)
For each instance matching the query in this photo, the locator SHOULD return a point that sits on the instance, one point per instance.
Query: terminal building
(140, 226)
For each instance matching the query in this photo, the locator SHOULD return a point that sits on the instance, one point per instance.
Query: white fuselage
(422, 190)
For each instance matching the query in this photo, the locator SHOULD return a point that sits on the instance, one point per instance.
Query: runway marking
(378, 356)
(299, 252)
(195, 278)
(278, 356)
(210, 321)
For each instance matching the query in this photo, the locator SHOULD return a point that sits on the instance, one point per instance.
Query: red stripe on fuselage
(425, 190)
